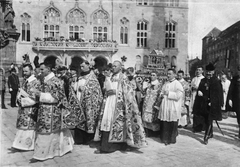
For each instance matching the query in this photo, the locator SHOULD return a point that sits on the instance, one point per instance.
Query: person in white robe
(198, 121)
(225, 85)
(53, 138)
(185, 116)
(194, 86)
(27, 113)
(170, 108)
(120, 123)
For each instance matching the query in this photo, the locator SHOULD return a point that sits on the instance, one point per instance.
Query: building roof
(195, 59)
(156, 52)
(231, 28)
(213, 33)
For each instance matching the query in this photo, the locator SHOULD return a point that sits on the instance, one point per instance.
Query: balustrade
(72, 45)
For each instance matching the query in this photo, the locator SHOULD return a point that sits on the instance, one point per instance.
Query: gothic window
(170, 35)
(146, 2)
(51, 31)
(172, 3)
(76, 16)
(124, 31)
(142, 34)
(51, 22)
(76, 32)
(77, 19)
(100, 34)
(25, 27)
(100, 20)
(100, 17)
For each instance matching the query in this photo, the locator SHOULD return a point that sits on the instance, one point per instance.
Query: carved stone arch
(172, 22)
(76, 15)
(52, 14)
(25, 17)
(124, 21)
(142, 24)
(143, 20)
(100, 17)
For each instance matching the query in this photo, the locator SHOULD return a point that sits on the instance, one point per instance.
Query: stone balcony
(75, 46)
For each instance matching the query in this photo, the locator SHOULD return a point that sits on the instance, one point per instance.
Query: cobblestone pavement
(189, 151)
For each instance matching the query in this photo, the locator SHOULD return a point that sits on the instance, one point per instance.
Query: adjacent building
(103, 31)
(222, 48)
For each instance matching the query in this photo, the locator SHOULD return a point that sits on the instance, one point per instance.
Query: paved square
(221, 151)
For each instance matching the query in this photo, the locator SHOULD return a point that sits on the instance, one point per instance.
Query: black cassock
(234, 95)
(213, 95)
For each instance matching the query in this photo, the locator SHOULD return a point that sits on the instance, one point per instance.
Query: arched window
(51, 21)
(100, 20)
(174, 3)
(77, 19)
(124, 23)
(26, 27)
(76, 32)
(170, 35)
(142, 34)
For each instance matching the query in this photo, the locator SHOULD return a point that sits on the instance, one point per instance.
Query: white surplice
(195, 83)
(225, 86)
(170, 108)
(110, 104)
(56, 143)
(25, 138)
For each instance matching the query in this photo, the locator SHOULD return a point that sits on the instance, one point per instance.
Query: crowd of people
(115, 107)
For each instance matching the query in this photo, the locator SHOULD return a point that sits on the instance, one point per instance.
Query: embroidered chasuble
(90, 98)
(27, 115)
(126, 125)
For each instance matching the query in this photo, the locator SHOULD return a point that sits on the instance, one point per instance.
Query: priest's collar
(155, 82)
(116, 75)
(31, 78)
(172, 80)
(49, 76)
(83, 73)
(181, 80)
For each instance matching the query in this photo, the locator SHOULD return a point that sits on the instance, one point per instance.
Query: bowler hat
(210, 67)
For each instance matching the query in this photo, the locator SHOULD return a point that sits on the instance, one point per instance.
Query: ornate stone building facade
(222, 47)
(103, 30)
(8, 35)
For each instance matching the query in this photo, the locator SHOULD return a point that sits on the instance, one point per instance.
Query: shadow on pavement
(229, 137)
(227, 124)
(14, 150)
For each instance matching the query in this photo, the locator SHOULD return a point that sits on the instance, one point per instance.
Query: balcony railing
(74, 46)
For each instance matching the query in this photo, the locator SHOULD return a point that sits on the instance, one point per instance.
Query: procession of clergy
(61, 108)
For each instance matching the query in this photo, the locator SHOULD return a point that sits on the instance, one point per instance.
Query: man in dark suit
(2, 87)
(13, 85)
(233, 98)
(209, 100)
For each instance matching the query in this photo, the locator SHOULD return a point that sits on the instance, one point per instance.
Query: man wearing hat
(13, 84)
(233, 98)
(209, 100)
